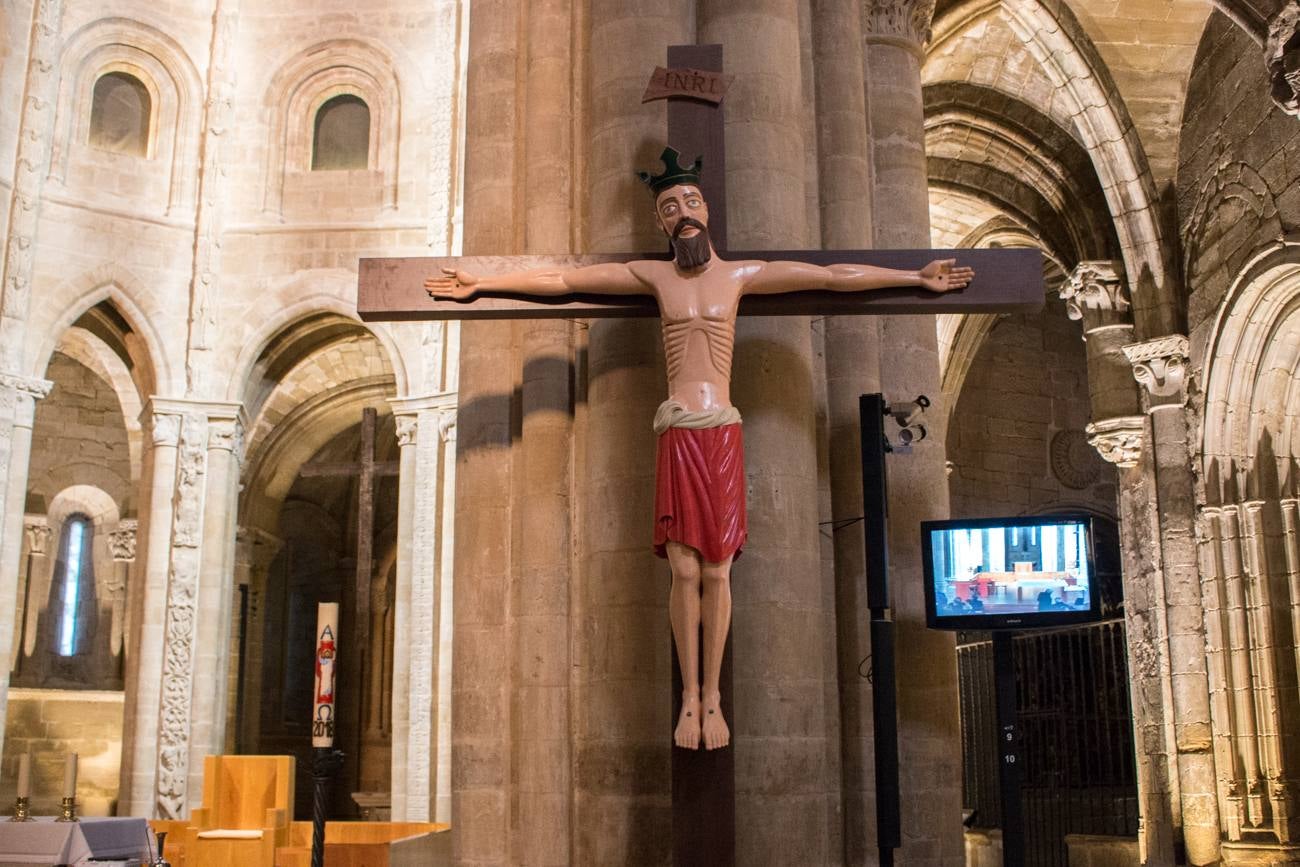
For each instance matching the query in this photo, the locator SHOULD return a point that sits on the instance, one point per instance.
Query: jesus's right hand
(452, 285)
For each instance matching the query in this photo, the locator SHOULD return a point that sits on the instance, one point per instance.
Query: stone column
(121, 543)
(257, 551)
(147, 612)
(895, 32)
(39, 534)
(622, 675)
(421, 778)
(1160, 366)
(852, 369)
(18, 396)
(1096, 295)
(779, 601)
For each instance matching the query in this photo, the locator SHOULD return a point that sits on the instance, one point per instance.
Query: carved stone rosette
(1118, 440)
(1095, 293)
(1282, 54)
(1160, 366)
(905, 21)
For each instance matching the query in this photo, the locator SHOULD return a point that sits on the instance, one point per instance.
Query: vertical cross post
(704, 781)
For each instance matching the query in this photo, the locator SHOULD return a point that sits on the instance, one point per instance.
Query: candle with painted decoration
(25, 775)
(70, 776)
(322, 716)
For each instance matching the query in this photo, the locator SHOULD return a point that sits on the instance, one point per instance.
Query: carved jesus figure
(700, 522)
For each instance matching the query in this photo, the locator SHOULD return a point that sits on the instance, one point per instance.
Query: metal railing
(1077, 724)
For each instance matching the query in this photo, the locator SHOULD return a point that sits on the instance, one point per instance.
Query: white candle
(322, 712)
(70, 776)
(24, 775)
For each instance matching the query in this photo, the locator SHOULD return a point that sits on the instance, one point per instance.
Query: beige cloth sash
(671, 413)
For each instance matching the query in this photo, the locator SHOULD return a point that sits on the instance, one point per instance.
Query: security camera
(908, 416)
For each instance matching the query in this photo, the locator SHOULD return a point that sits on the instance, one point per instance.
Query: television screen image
(1009, 573)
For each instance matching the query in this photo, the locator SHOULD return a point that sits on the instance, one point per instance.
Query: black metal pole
(325, 763)
(884, 694)
(1010, 764)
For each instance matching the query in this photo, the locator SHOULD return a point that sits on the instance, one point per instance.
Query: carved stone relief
(902, 19)
(1160, 366)
(122, 540)
(1118, 440)
(1282, 53)
(1095, 293)
(1073, 462)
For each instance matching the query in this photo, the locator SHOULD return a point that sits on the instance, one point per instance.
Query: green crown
(674, 173)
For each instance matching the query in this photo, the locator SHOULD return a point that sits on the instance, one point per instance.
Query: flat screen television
(1010, 573)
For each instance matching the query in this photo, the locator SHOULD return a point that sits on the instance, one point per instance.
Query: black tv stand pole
(1010, 760)
(872, 410)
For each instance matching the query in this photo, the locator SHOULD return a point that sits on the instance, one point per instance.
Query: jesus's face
(684, 217)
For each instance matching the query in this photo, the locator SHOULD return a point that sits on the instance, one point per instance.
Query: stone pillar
(121, 543)
(18, 396)
(1096, 295)
(852, 369)
(621, 716)
(895, 32)
(1159, 366)
(778, 599)
(147, 612)
(421, 777)
(38, 533)
(256, 552)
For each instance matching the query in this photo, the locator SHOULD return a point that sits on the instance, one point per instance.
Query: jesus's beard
(690, 253)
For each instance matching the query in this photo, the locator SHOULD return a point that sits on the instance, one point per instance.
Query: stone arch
(1251, 17)
(306, 82)
(159, 62)
(292, 332)
(1251, 401)
(139, 343)
(1063, 50)
(1233, 207)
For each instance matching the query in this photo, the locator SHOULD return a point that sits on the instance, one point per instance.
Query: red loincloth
(700, 491)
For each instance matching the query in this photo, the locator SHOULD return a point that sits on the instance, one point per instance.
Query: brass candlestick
(22, 810)
(69, 811)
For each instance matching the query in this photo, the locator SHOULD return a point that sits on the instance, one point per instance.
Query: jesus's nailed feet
(687, 735)
(714, 727)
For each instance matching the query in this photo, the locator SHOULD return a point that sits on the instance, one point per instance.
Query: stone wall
(1239, 170)
(1016, 438)
(51, 723)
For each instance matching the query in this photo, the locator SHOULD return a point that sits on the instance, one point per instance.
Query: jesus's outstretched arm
(941, 275)
(610, 278)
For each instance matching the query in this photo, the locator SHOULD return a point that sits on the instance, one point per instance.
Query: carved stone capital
(408, 427)
(122, 540)
(165, 429)
(26, 391)
(903, 21)
(38, 536)
(1282, 55)
(1118, 440)
(447, 425)
(1095, 294)
(227, 434)
(1160, 366)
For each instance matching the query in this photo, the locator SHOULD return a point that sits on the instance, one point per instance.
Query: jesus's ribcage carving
(719, 341)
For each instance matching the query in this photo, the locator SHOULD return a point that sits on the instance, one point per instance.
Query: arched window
(342, 134)
(74, 585)
(119, 114)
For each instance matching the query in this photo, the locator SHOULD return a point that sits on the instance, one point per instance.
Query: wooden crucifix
(365, 470)
(699, 294)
